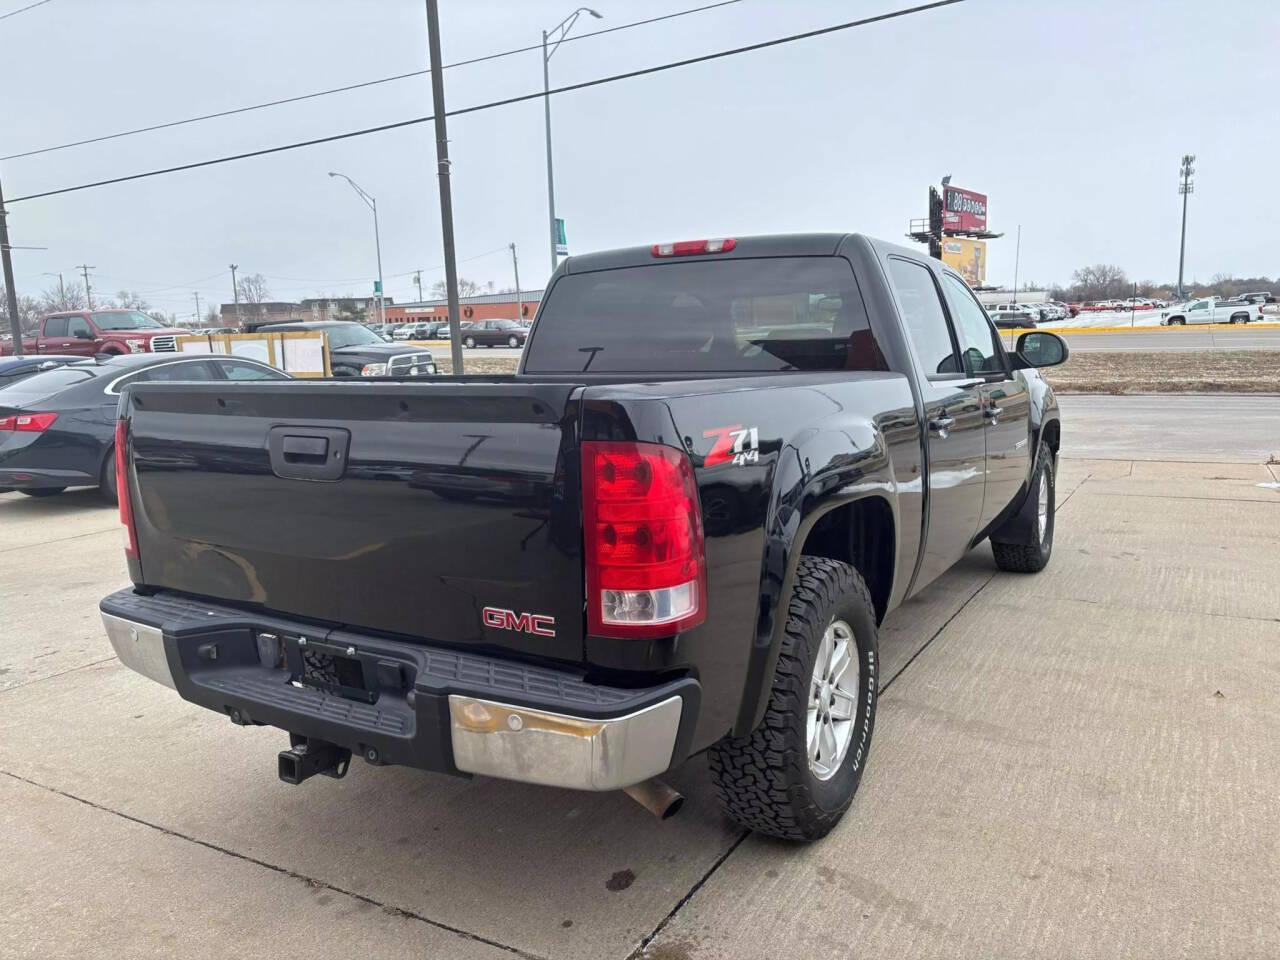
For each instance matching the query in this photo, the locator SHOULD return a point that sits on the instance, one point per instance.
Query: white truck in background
(1210, 310)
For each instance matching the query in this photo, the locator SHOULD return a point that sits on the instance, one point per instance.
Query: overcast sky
(1071, 116)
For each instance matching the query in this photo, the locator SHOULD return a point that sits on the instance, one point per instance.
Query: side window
(55, 327)
(79, 327)
(923, 315)
(168, 372)
(239, 370)
(978, 341)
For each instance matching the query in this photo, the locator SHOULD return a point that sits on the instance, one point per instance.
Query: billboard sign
(963, 210)
(967, 258)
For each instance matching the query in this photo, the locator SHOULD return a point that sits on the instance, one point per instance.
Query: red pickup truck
(90, 332)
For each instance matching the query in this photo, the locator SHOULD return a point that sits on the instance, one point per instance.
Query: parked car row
(57, 424)
(475, 333)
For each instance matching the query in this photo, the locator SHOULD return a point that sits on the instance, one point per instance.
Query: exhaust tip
(656, 797)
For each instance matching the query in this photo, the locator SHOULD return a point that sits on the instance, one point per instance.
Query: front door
(1006, 403)
(80, 337)
(955, 436)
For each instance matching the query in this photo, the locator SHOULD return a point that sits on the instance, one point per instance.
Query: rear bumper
(405, 703)
(23, 478)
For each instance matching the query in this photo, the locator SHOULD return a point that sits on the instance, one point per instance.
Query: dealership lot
(1076, 764)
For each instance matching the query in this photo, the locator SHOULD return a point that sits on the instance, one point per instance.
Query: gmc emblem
(534, 623)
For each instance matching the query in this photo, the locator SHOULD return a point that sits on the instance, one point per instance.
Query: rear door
(53, 336)
(408, 509)
(956, 444)
(1006, 403)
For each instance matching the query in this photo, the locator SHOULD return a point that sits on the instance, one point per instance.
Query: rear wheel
(513, 341)
(42, 491)
(795, 775)
(469, 343)
(1033, 557)
(107, 482)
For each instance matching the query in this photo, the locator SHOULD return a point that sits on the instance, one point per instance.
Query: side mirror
(82, 334)
(1040, 349)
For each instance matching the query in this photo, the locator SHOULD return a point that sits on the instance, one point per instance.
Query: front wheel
(795, 775)
(513, 342)
(1033, 557)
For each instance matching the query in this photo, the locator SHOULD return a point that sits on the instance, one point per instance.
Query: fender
(817, 473)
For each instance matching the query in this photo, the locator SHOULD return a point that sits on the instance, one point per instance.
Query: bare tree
(129, 300)
(1100, 281)
(212, 318)
(30, 310)
(69, 297)
(466, 288)
(253, 289)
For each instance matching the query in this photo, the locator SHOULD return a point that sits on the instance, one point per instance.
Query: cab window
(923, 316)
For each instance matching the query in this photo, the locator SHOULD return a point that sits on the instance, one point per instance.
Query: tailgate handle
(308, 453)
(305, 449)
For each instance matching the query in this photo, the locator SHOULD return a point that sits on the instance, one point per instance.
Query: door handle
(942, 425)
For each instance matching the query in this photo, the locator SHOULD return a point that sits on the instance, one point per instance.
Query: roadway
(1176, 338)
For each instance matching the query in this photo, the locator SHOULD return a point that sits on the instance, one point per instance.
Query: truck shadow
(18, 505)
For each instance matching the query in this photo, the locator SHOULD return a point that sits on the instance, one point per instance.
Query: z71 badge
(738, 445)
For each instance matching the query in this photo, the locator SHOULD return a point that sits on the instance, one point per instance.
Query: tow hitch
(305, 758)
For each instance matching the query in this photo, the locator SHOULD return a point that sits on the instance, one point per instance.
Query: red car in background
(90, 332)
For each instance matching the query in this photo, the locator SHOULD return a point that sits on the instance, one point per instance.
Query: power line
(349, 87)
(14, 13)
(671, 65)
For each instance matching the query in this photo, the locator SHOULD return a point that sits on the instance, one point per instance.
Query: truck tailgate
(396, 507)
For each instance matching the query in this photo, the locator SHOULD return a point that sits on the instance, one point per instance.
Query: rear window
(45, 384)
(756, 315)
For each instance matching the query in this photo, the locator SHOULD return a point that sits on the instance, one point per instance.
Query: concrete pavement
(1079, 763)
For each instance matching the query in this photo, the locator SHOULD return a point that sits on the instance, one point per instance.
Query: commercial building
(489, 306)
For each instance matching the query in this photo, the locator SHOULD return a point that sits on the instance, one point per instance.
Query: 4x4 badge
(737, 444)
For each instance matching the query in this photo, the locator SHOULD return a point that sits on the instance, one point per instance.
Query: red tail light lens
(688, 248)
(28, 422)
(122, 488)
(645, 566)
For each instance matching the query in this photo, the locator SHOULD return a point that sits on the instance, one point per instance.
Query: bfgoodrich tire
(1033, 557)
(781, 779)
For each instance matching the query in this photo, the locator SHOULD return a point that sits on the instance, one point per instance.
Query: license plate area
(334, 668)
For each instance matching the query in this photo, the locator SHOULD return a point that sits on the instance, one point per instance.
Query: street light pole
(446, 192)
(62, 292)
(1186, 186)
(197, 296)
(372, 204)
(563, 29)
(1017, 255)
(235, 293)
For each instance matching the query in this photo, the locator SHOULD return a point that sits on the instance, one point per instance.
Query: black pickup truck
(674, 530)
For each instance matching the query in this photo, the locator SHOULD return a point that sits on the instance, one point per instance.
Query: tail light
(688, 248)
(122, 489)
(642, 534)
(28, 422)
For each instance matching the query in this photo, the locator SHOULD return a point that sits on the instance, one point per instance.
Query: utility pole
(197, 306)
(442, 172)
(15, 325)
(235, 292)
(515, 265)
(417, 281)
(84, 268)
(1186, 186)
(1017, 255)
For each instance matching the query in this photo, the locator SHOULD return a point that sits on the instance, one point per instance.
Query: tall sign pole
(15, 325)
(442, 172)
